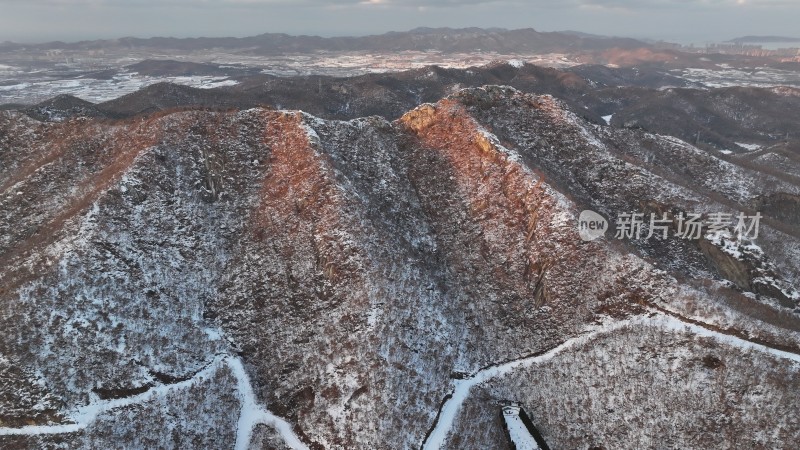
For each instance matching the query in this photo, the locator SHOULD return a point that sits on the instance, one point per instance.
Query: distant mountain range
(763, 39)
(438, 39)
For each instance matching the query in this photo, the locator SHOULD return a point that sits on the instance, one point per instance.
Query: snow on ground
(251, 414)
(9, 70)
(779, 161)
(85, 415)
(451, 407)
(756, 77)
(678, 325)
(216, 84)
(751, 147)
(14, 87)
(725, 242)
(96, 91)
(517, 430)
(608, 119)
(733, 181)
(29, 87)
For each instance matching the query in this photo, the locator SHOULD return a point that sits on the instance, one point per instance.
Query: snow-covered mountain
(269, 279)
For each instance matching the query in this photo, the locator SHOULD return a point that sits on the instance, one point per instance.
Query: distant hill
(60, 107)
(439, 39)
(763, 39)
(156, 68)
(637, 98)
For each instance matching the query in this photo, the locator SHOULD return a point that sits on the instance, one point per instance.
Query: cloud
(643, 4)
(266, 3)
(698, 20)
(526, 4)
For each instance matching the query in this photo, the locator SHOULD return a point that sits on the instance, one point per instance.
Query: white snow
(85, 415)
(717, 78)
(518, 63)
(519, 434)
(215, 84)
(251, 414)
(608, 119)
(751, 147)
(450, 409)
(95, 90)
(14, 87)
(42, 429)
(722, 176)
(673, 323)
(725, 242)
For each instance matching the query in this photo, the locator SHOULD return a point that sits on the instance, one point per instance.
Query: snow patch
(85, 415)
(751, 147)
(675, 324)
(251, 414)
(450, 410)
(517, 430)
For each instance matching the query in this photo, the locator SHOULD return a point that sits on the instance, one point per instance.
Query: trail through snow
(254, 414)
(251, 413)
(451, 407)
(85, 415)
(517, 430)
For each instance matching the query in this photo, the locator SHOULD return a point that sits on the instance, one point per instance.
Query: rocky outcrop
(747, 267)
(733, 269)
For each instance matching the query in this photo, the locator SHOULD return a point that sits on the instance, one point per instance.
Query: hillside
(713, 119)
(262, 278)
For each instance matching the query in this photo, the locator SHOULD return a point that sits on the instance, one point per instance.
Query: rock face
(730, 267)
(353, 267)
(749, 269)
(781, 205)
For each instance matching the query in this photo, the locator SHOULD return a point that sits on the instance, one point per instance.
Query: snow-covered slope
(264, 278)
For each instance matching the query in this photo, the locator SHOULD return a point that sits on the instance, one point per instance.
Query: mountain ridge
(441, 39)
(764, 39)
(356, 268)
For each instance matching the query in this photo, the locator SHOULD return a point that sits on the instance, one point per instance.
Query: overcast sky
(685, 21)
